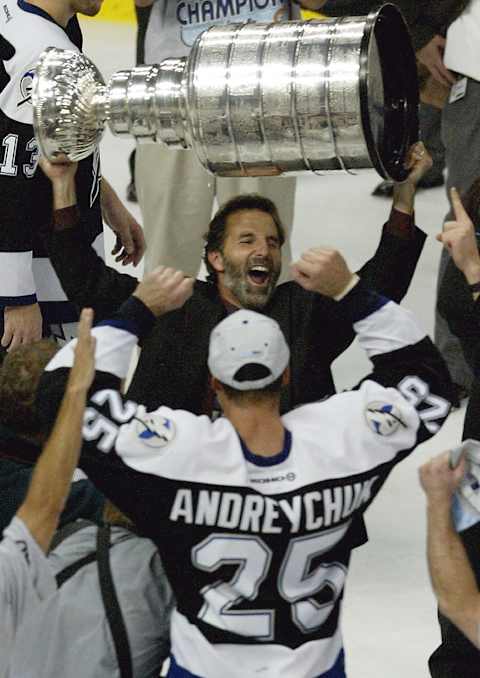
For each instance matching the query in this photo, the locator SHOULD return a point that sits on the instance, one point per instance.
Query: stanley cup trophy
(250, 99)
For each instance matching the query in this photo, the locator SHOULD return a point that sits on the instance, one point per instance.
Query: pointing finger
(458, 208)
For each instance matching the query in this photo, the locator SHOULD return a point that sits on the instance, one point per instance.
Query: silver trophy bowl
(250, 99)
(68, 95)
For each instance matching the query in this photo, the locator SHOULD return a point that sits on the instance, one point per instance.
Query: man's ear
(215, 259)
(286, 376)
(216, 385)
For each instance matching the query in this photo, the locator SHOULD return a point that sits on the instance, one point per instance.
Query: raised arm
(461, 311)
(85, 278)
(403, 356)
(452, 577)
(52, 476)
(391, 269)
(110, 416)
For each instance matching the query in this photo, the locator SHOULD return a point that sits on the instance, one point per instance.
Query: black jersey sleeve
(85, 277)
(389, 272)
(403, 357)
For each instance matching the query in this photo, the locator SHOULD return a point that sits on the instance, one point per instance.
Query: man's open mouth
(258, 274)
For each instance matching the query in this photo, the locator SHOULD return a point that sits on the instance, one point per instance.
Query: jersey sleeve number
(297, 583)
(431, 409)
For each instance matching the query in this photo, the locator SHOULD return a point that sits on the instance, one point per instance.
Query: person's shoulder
(19, 552)
(205, 297)
(27, 35)
(30, 32)
(293, 290)
(205, 290)
(289, 295)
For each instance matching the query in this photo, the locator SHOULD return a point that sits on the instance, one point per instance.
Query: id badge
(458, 91)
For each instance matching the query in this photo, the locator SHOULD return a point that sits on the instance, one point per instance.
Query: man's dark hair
(215, 236)
(19, 377)
(249, 373)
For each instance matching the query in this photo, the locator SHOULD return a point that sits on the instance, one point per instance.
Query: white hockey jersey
(26, 275)
(257, 548)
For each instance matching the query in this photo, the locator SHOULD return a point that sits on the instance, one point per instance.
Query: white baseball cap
(247, 338)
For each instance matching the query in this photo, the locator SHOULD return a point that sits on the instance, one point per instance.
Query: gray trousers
(461, 138)
(176, 196)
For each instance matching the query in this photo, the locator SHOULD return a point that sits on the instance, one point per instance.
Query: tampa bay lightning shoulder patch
(383, 418)
(154, 430)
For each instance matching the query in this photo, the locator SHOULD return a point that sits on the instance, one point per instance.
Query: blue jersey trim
(72, 29)
(132, 316)
(33, 9)
(24, 300)
(176, 671)
(276, 459)
(361, 302)
(123, 324)
(337, 670)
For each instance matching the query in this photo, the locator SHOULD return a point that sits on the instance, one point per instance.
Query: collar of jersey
(269, 461)
(33, 9)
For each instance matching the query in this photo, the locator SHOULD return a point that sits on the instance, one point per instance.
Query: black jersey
(257, 548)
(26, 275)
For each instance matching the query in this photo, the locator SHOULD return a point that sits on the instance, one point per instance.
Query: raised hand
(130, 243)
(164, 290)
(418, 162)
(458, 237)
(62, 175)
(322, 270)
(83, 370)
(438, 480)
(63, 170)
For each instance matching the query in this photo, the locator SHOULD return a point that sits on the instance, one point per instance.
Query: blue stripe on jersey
(337, 670)
(361, 302)
(24, 300)
(259, 460)
(176, 671)
(33, 9)
(72, 30)
(126, 325)
(132, 316)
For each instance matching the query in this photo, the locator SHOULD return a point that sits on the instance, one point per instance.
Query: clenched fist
(164, 290)
(322, 270)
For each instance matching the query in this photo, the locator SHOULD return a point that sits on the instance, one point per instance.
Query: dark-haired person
(243, 255)
(174, 220)
(22, 436)
(255, 514)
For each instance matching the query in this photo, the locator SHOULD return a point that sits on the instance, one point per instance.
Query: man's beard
(248, 295)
